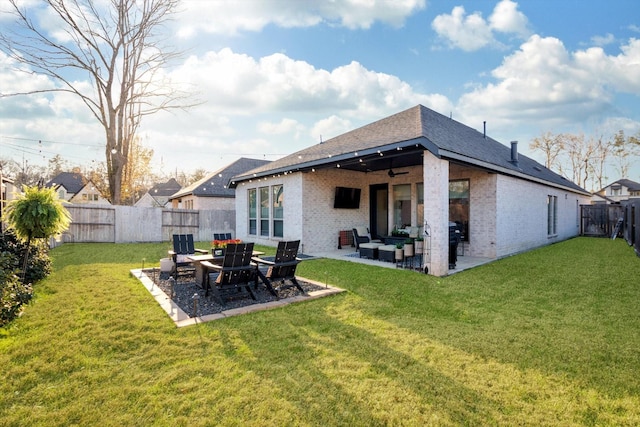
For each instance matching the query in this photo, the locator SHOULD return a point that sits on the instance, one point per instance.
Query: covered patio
(465, 262)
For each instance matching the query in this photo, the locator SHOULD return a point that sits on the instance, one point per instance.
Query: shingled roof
(413, 130)
(215, 184)
(71, 181)
(631, 185)
(165, 189)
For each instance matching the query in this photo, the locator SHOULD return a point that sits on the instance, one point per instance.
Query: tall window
(420, 205)
(278, 210)
(253, 211)
(459, 205)
(402, 205)
(264, 211)
(552, 215)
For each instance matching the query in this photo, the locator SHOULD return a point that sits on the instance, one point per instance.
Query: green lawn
(550, 337)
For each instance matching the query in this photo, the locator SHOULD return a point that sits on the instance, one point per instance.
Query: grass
(550, 337)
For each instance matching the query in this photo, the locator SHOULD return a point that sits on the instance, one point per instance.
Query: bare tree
(601, 152)
(551, 146)
(624, 150)
(118, 45)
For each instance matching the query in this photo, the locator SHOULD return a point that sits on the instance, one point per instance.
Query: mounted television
(347, 198)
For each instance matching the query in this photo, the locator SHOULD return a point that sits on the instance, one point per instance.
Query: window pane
(278, 228)
(253, 203)
(264, 227)
(402, 205)
(253, 224)
(264, 202)
(459, 205)
(420, 206)
(552, 215)
(278, 209)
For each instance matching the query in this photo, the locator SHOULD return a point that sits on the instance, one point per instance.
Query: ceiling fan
(392, 174)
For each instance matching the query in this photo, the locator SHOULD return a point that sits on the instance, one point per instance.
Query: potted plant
(399, 252)
(217, 247)
(408, 248)
(419, 245)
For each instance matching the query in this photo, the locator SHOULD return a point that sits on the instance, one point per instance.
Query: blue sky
(275, 76)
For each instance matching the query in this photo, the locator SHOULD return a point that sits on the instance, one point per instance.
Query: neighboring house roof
(159, 194)
(631, 185)
(409, 131)
(216, 183)
(71, 181)
(165, 188)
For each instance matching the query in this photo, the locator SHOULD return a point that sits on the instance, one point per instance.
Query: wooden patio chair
(280, 268)
(183, 247)
(234, 274)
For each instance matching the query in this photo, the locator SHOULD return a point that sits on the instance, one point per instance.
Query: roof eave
(337, 159)
(506, 171)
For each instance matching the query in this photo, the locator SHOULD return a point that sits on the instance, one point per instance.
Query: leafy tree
(138, 177)
(117, 44)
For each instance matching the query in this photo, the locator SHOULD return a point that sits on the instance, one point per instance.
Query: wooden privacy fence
(129, 224)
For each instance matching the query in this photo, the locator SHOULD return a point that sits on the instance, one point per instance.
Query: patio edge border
(180, 318)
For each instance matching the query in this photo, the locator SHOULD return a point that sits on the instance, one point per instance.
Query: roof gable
(631, 185)
(71, 181)
(165, 189)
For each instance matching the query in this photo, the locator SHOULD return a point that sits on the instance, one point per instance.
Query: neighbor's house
(158, 195)
(417, 168)
(8, 192)
(621, 190)
(75, 188)
(212, 191)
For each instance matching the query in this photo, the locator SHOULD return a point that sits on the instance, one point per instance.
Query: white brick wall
(522, 215)
(311, 218)
(507, 215)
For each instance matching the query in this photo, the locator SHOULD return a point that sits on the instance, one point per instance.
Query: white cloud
(232, 16)
(284, 126)
(603, 40)
(234, 83)
(330, 127)
(544, 82)
(471, 32)
(467, 32)
(506, 18)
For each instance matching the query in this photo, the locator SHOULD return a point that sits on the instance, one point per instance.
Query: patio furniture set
(406, 251)
(237, 269)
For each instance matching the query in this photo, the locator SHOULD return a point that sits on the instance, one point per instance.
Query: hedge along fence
(130, 224)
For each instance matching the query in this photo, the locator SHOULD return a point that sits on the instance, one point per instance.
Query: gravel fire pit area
(189, 304)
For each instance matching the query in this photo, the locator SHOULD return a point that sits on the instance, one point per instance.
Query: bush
(13, 293)
(38, 262)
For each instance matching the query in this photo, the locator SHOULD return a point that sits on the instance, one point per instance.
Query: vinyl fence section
(128, 224)
(632, 224)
